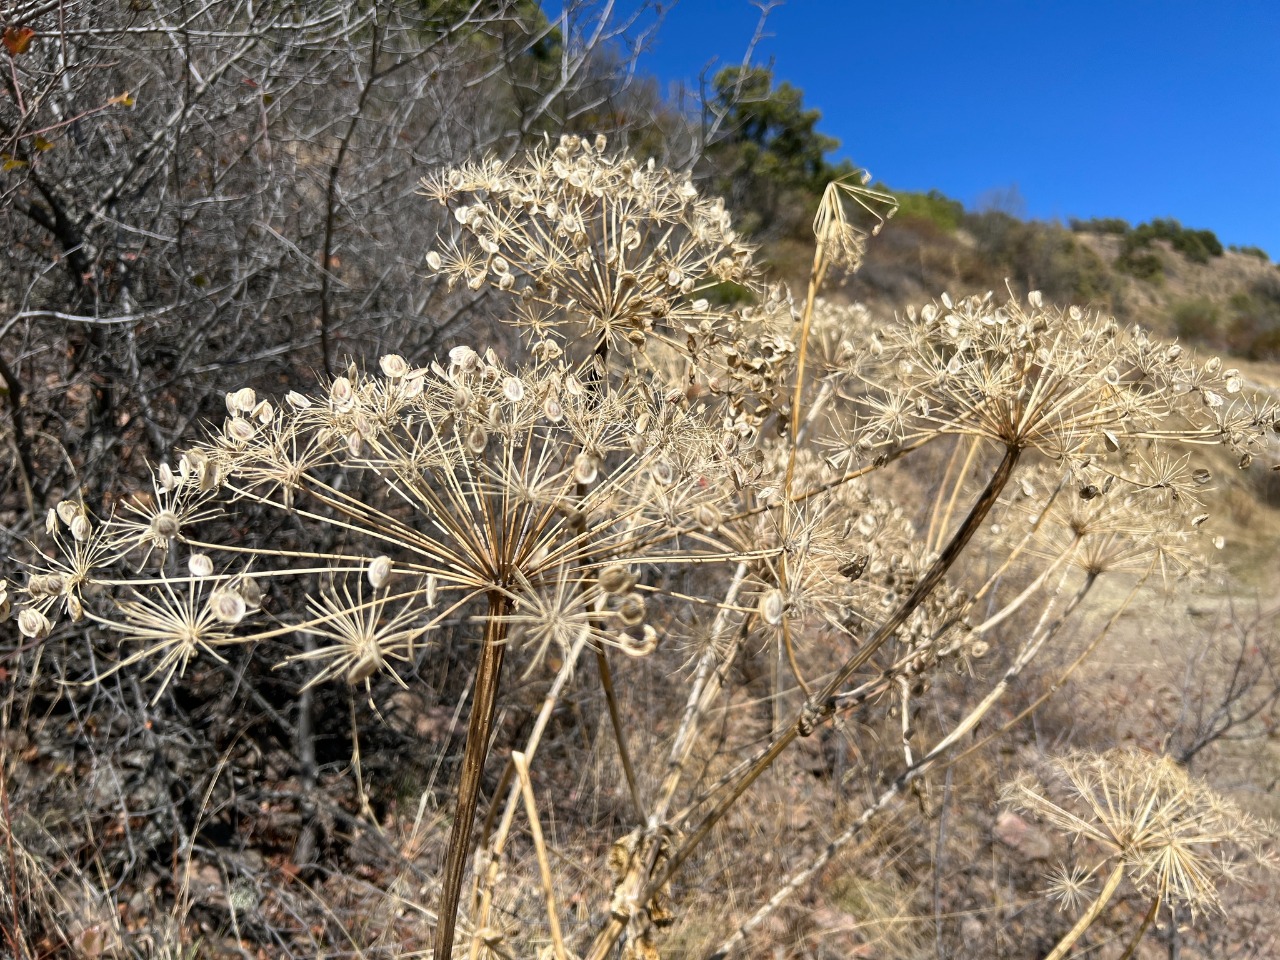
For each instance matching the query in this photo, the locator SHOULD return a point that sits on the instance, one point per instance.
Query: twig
(544, 866)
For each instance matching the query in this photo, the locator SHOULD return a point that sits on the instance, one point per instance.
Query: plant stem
(1142, 930)
(821, 707)
(479, 726)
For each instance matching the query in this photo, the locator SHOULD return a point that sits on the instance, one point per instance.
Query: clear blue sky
(1131, 108)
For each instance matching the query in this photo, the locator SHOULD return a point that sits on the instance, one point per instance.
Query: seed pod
(772, 607)
(342, 396)
(477, 440)
(513, 389)
(585, 469)
(165, 524)
(707, 517)
(616, 579)
(379, 571)
(33, 624)
(297, 400)
(393, 366)
(227, 606)
(552, 410)
(240, 430)
(241, 401)
(249, 590)
(364, 668)
(81, 528)
(75, 609)
(200, 565)
(631, 610)
(646, 646)
(4, 600)
(68, 510)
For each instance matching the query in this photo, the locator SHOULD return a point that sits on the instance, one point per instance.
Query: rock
(1026, 838)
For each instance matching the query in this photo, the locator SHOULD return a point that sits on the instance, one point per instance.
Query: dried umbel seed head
(631, 610)
(772, 607)
(616, 580)
(227, 606)
(379, 572)
(33, 624)
(200, 565)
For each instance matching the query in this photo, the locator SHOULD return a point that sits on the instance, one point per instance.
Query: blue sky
(1131, 108)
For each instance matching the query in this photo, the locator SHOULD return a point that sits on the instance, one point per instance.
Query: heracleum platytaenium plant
(678, 457)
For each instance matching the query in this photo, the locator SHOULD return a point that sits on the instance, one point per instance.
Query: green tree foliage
(768, 160)
(1114, 225)
(934, 207)
(1251, 251)
(1197, 246)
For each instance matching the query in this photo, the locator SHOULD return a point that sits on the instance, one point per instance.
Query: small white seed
(379, 571)
(227, 606)
(33, 624)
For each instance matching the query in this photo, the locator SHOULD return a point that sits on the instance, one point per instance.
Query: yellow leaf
(9, 162)
(123, 99)
(42, 144)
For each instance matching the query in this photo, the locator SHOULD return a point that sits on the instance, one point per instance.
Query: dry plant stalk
(668, 473)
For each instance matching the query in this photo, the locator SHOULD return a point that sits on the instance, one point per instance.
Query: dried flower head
(1178, 839)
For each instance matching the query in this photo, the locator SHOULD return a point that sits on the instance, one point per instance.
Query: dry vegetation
(549, 581)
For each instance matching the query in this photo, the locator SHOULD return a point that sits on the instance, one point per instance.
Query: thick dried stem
(483, 705)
